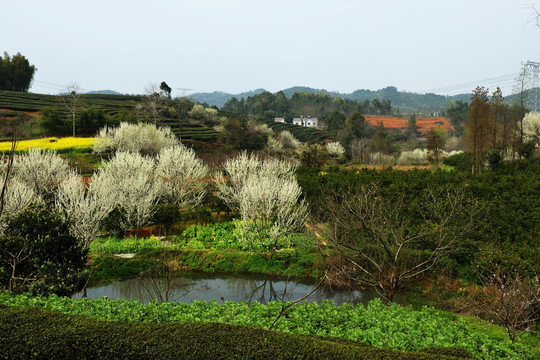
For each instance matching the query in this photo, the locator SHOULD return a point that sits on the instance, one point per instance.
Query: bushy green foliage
(391, 327)
(107, 267)
(226, 236)
(50, 260)
(114, 245)
(16, 73)
(39, 333)
(509, 198)
(52, 121)
(213, 236)
(461, 161)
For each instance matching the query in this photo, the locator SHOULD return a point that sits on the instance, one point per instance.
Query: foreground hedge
(28, 332)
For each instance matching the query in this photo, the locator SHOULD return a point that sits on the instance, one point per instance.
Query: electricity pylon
(534, 75)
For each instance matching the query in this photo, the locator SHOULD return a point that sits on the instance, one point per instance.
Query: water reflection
(195, 286)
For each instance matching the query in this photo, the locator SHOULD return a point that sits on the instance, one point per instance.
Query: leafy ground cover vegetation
(208, 248)
(391, 327)
(227, 236)
(41, 333)
(115, 245)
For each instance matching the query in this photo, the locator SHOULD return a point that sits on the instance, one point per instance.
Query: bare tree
(496, 114)
(359, 150)
(152, 102)
(521, 89)
(512, 302)
(17, 255)
(7, 169)
(536, 14)
(382, 246)
(287, 305)
(163, 283)
(71, 102)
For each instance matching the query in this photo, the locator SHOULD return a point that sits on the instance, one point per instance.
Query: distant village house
(308, 122)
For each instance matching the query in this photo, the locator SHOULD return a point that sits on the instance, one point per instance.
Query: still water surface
(227, 287)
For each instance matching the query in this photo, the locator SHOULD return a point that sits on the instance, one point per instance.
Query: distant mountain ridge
(105, 92)
(219, 98)
(401, 99)
(95, 92)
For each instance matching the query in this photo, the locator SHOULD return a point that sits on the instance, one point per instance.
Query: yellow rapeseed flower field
(51, 143)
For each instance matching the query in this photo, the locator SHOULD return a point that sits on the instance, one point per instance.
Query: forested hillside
(404, 100)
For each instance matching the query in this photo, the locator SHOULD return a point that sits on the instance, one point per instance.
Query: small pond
(227, 287)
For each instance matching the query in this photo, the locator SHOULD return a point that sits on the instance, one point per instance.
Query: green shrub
(50, 259)
(461, 161)
(227, 236)
(114, 245)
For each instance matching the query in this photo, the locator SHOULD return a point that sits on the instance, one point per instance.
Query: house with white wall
(306, 121)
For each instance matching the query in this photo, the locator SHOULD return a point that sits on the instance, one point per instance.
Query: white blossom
(181, 175)
(266, 195)
(335, 149)
(531, 126)
(87, 207)
(131, 178)
(43, 171)
(146, 139)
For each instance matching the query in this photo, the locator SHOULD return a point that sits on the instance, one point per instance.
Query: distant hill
(95, 92)
(104, 92)
(400, 99)
(219, 98)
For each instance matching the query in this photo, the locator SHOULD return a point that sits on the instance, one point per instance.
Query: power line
(54, 86)
(499, 81)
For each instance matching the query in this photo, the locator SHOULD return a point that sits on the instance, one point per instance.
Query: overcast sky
(241, 45)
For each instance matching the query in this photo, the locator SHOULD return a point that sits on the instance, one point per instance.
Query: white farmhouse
(308, 122)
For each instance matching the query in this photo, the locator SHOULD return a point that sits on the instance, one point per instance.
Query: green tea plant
(391, 327)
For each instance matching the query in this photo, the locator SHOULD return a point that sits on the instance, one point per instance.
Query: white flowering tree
(531, 126)
(282, 140)
(17, 197)
(335, 149)
(86, 206)
(266, 195)
(42, 171)
(131, 178)
(181, 175)
(146, 139)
